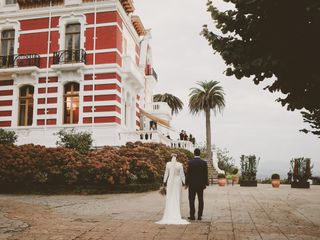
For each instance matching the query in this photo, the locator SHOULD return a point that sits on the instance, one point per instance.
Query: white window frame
(11, 25)
(71, 19)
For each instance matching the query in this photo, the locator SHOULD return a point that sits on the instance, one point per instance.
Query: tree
(174, 102)
(7, 137)
(209, 96)
(80, 141)
(274, 39)
(314, 120)
(225, 161)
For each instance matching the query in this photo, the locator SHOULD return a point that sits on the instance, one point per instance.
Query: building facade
(79, 64)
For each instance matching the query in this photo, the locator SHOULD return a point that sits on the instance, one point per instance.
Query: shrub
(221, 175)
(275, 176)
(301, 169)
(235, 171)
(134, 163)
(148, 160)
(7, 137)
(249, 166)
(225, 162)
(29, 164)
(80, 141)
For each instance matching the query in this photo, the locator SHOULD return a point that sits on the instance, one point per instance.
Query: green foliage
(209, 95)
(174, 102)
(274, 39)
(226, 162)
(313, 119)
(249, 165)
(204, 98)
(235, 171)
(301, 168)
(80, 141)
(275, 176)
(221, 175)
(7, 137)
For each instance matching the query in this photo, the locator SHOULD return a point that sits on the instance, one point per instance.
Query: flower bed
(109, 169)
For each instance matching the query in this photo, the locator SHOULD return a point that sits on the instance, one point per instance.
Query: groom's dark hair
(197, 152)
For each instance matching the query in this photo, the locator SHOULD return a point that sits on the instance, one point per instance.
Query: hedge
(132, 164)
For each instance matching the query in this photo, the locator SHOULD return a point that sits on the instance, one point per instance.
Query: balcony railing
(38, 3)
(20, 60)
(70, 56)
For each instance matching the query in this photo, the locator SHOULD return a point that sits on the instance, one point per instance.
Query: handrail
(70, 56)
(20, 60)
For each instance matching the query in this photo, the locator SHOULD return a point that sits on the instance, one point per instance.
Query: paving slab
(232, 212)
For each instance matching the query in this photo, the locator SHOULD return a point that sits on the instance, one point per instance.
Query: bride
(174, 176)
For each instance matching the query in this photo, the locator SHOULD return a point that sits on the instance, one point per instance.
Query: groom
(196, 180)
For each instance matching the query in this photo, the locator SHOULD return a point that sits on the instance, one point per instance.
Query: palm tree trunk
(208, 133)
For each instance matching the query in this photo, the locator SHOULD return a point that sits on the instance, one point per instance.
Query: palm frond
(174, 102)
(209, 95)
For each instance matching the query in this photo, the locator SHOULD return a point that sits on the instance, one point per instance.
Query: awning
(156, 119)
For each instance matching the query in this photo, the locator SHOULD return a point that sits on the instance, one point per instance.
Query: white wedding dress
(174, 176)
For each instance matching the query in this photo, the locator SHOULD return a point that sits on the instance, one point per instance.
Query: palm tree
(209, 96)
(174, 102)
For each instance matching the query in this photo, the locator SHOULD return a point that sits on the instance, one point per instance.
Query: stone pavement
(230, 213)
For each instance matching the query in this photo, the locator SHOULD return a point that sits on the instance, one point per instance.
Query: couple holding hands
(196, 180)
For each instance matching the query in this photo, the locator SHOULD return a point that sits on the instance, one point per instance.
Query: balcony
(145, 137)
(70, 56)
(20, 60)
(151, 72)
(154, 137)
(135, 75)
(23, 4)
(161, 110)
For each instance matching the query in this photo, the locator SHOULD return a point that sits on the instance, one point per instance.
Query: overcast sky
(252, 122)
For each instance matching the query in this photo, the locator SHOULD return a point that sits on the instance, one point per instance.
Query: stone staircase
(212, 173)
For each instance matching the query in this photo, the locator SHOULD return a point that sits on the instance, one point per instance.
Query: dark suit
(196, 180)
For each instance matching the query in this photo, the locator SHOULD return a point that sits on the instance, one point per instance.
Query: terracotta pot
(222, 182)
(275, 183)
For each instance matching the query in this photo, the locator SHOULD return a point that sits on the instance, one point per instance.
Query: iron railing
(20, 60)
(38, 3)
(70, 56)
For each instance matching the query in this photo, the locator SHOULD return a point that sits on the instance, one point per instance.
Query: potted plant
(301, 172)
(221, 179)
(235, 176)
(249, 166)
(275, 180)
(229, 179)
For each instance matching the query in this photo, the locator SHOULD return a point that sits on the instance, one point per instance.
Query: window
(8, 2)
(72, 42)
(71, 103)
(26, 105)
(7, 42)
(7, 48)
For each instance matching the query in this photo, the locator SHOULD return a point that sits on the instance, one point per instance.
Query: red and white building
(79, 64)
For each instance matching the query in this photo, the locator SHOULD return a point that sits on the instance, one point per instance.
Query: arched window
(26, 105)
(71, 103)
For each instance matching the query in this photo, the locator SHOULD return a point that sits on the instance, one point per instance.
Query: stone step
(212, 173)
